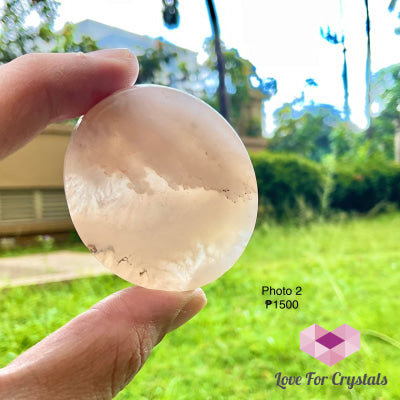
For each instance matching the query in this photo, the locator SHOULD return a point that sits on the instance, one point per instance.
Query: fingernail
(194, 304)
(111, 53)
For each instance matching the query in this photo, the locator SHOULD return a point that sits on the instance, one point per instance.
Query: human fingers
(37, 89)
(96, 354)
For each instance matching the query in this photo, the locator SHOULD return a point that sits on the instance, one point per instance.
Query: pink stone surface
(349, 343)
(160, 188)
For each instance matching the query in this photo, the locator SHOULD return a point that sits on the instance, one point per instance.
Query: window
(33, 205)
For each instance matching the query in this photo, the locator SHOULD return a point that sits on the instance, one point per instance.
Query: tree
(350, 146)
(368, 72)
(16, 38)
(333, 39)
(171, 20)
(66, 43)
(307, 131)
(385, 91)
(161, 65)
(245, 89)
(151, 63)
(223, 103)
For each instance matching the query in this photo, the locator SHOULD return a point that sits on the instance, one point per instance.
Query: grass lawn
(348, 271)
(37, 249)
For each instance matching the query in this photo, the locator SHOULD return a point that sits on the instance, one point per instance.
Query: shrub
(360, 188)
(290, 186)
(287, 184)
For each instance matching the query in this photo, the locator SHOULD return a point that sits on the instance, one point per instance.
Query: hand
(96, 354)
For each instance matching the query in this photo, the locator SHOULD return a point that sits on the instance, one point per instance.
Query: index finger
(37, 89)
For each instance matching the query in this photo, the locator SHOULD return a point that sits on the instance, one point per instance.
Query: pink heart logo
(330, 347)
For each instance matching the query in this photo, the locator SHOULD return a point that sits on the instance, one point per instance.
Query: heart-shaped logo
(330, 347)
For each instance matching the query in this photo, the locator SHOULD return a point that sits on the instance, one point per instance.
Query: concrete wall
(40, 163)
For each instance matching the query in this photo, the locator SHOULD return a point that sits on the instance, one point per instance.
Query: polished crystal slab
(160, 188)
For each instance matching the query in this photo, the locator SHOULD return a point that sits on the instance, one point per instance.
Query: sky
(281, 38)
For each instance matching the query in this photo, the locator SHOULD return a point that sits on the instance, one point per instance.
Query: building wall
(32, 198)
(108, 37)
(39, 164)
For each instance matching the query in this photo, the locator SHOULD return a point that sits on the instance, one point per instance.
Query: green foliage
(382, 141)
(287, 184)
(46, 242)
(292, 187)
(351, 147)
(385, 91)
(241, 93)
(306, 132)
(316, 130)
(152, 61)
(162, 65)
(363, 187)
(344, 142)
(16, 38)
(234, 347)
(65, 41)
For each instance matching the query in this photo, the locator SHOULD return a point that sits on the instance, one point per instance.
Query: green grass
(37, 248)
(349, 273)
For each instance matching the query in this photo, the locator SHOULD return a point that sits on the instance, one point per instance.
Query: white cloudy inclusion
(160, 188)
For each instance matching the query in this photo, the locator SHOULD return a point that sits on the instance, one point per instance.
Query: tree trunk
(346, 87)
(368, 74)
(222, 97)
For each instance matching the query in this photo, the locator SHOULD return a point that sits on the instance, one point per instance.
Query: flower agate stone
(160, 188)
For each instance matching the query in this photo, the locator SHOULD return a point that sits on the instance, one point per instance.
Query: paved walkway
(49, 267)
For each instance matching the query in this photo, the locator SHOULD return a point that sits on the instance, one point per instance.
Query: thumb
(98, 353)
